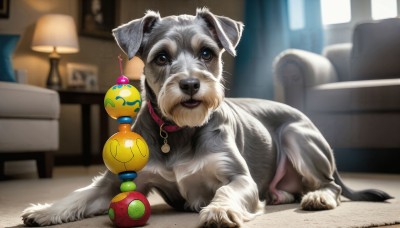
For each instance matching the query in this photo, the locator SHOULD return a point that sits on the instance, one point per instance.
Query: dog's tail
(363, 195)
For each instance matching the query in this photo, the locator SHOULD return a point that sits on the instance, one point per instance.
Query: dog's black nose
(190, 86)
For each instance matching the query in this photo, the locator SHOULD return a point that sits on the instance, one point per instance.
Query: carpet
(16, 194)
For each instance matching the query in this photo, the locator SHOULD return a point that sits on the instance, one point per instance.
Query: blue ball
(125, 120)
(126, 176)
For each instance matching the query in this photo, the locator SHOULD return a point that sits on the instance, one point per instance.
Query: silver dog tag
(165, 148)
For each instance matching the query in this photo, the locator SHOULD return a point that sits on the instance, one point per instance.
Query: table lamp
(54, 34)
(134, 68)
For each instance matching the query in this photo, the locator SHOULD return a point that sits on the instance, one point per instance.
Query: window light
(296, 14)
(382, 9)
(335, 12)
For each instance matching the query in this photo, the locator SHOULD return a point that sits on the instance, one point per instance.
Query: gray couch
(28, 125)
(352, 91)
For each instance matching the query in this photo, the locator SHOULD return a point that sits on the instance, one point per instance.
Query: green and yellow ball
(122, 100)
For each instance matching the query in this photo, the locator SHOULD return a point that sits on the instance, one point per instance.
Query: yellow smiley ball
(122, 100)
(125, 151)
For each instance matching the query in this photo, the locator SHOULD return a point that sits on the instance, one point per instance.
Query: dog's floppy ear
(227, 30)
(129, 36)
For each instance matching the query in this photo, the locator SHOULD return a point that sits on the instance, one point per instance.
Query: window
(382, 9)
(335, 11)
(296, 14)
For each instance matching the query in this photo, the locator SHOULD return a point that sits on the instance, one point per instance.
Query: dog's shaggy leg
(82, 203)
(232, 204)
(312, 158)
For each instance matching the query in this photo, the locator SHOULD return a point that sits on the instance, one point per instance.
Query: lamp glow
(55, 33)
(134, 68)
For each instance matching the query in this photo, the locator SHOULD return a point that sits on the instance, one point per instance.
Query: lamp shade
(55, 31)
(134, 68)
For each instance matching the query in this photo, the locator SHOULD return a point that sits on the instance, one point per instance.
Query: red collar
(165, 126)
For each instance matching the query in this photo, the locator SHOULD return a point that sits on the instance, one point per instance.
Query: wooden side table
(86, 98)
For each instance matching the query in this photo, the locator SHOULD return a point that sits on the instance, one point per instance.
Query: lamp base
(54, 79)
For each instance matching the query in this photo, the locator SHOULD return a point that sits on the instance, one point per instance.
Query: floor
(66, 179)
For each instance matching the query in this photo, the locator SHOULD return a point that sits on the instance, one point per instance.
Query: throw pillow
(7, 47)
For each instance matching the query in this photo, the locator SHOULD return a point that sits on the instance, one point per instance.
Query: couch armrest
(295, 71)
(28, 102)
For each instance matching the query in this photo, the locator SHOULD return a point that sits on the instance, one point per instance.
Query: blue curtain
(266, 33)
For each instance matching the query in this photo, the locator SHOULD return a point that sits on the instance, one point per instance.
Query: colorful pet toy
(125, 153)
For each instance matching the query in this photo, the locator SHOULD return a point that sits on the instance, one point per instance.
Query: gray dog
(224, 158)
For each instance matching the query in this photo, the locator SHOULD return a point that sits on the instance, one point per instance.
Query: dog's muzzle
(190, 86)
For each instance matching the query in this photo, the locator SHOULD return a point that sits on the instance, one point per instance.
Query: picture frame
(97, 18)
(4, 8)
(84, 76)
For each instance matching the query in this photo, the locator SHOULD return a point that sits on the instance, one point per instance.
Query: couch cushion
(376, 50)
(26, 101)
(339, 55)
(7, 46)
(368, 95)
(354, 130)
(27, 135)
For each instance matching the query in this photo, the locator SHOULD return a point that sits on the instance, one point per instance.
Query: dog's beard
(170, 100)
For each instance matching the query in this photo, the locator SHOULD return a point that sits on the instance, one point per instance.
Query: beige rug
(15, 195)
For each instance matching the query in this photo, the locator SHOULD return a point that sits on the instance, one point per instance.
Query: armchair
(352, 91)
(28, 125)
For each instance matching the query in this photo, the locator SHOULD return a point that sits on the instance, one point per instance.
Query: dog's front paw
(220, 216)
(39, 215)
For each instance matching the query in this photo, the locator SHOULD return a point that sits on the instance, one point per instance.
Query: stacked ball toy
(124, 154)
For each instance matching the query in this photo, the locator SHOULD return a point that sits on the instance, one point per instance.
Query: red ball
(129, 209)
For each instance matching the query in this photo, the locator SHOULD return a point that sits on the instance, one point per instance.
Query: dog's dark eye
(162, 59)
(206, 54)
